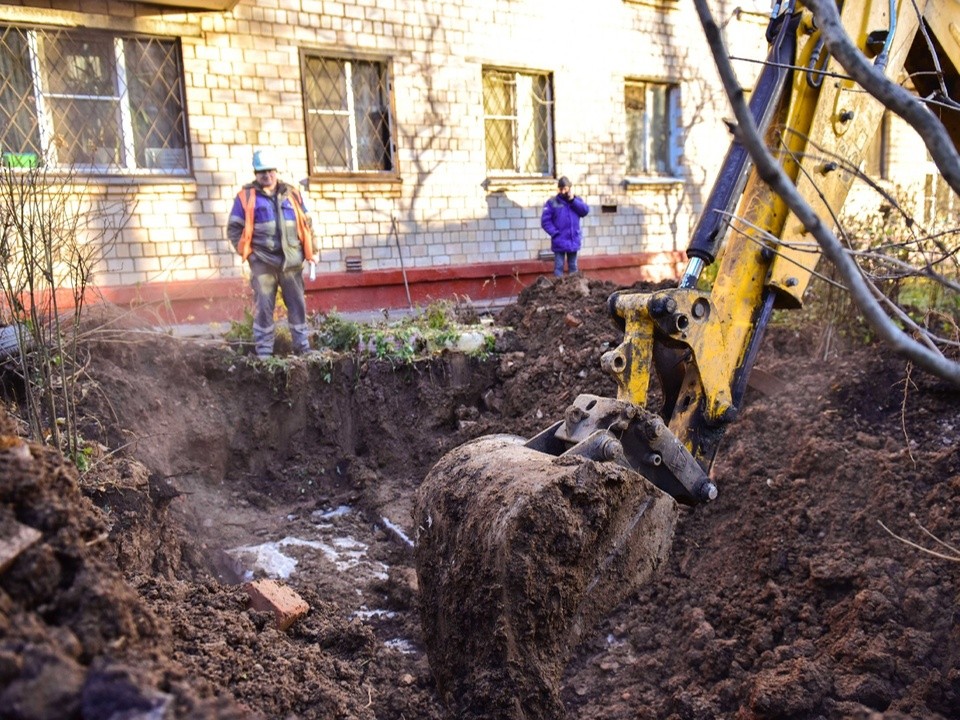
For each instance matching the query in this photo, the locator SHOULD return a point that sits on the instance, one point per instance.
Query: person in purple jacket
(561, 221)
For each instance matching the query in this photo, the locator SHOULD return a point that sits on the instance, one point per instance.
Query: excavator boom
(522, 545)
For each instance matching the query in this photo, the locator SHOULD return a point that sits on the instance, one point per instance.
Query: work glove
(313, 270)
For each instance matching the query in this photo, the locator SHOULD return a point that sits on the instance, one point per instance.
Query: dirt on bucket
(800, 592)
(518, 554)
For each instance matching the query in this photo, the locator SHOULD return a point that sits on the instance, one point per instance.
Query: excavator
(524, 545)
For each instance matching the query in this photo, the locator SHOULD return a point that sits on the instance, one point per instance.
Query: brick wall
(243, 91)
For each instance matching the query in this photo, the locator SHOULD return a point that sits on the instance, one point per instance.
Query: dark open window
(97, 102)
(348, 119)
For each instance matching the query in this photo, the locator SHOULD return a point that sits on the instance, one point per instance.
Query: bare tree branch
(907, 269)
(894, 97)
(771, 173)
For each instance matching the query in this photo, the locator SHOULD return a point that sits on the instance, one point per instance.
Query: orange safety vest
(248, 200)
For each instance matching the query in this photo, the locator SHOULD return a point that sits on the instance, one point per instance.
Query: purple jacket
(561, 221)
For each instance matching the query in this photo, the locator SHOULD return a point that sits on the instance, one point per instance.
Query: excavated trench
(784, 599)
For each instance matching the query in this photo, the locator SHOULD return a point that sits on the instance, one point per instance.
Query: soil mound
(788, 597)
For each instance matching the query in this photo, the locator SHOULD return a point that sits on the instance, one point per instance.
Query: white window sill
(642, 180)
(508, 183)
(653, 3)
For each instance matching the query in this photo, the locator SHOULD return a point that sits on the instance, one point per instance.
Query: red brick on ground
(268, 596)
(14, 539)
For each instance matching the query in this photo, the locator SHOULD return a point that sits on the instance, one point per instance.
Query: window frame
(672, 113)
(517, 174)
(354, 173)
(43, 100)
(876, 155)
(660, 4)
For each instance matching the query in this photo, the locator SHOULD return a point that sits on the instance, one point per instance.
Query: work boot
(263, 340)
(300, 338)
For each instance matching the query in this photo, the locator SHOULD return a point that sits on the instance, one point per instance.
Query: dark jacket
(561, 221)
(279, 233)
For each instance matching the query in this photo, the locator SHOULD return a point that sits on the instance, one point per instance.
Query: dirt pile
(518, 554)
(785, 598)
(70, 619)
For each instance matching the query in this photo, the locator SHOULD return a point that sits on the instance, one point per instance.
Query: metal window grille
(348, 118)
(96, 102)
(518, 122)
(651, 127)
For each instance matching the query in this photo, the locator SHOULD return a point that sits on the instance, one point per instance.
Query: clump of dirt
(518, 554)
(785, 598)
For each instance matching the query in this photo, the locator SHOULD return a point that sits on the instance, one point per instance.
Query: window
(95, 102)
(347, 111)
(518, 122)
(651, 116)
(941, 205)
(875, 154)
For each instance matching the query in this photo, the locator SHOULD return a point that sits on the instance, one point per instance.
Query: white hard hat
(264, 160)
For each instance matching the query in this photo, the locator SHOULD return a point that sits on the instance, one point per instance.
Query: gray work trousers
(265, 280)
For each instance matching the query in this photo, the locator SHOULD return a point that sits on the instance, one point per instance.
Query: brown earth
(518, 553)
(785, 598)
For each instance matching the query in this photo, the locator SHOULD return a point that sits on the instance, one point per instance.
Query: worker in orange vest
(270, 229)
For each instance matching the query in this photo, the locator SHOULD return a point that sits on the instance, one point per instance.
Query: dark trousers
(265, 280)
(558, 258)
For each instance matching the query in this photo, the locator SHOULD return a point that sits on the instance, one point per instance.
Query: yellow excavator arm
(523, 544)
(818, 122)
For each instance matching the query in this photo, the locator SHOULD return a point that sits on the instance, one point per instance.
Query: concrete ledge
(226, 299)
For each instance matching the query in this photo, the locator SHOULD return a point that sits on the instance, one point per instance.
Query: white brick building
(427, 134)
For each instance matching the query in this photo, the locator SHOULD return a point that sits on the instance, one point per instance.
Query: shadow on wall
(514, 224)
(610, 228)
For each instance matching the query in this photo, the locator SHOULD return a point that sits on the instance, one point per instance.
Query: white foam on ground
(345, 553)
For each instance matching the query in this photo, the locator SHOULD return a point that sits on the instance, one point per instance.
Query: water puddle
(328, 535)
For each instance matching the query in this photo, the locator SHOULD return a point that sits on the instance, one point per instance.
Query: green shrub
(428, 332)
(337, 333)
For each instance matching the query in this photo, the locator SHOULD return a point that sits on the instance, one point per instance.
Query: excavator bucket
(519, 553)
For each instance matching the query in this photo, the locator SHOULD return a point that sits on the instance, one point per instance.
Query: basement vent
(354, 263)
(545, 255)
(608, 204)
